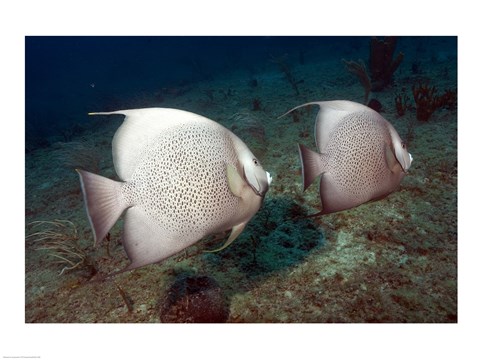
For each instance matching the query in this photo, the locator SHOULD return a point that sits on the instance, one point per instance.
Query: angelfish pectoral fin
(392, 161)
(236, 230)
(235, 182)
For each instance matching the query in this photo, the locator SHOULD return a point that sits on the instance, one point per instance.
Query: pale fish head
(258, 179)
(401, 153)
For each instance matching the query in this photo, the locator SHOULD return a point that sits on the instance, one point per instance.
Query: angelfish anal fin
(236, 230)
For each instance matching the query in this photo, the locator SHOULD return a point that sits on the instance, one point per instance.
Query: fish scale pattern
(181, 181)
(356, 155)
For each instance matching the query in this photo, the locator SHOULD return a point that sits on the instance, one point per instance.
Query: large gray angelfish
(361, 156)
(183, 177)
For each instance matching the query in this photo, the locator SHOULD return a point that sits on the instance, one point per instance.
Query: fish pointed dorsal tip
(93, 113)
(128, 112)
(337, 105)
(298, 107)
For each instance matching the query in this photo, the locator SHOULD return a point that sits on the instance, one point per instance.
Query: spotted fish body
(183, 177)
(361, 156)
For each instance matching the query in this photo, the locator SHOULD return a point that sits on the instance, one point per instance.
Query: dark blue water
(67, 77)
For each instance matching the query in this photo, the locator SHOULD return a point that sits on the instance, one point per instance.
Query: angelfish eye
(404, 146)
(255, 161)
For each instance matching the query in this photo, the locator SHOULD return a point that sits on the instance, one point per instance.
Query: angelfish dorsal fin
(138, 132)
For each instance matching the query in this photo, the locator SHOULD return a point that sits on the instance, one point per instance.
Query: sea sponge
(194, 299)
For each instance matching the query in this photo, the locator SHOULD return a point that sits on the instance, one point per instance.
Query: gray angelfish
(183, 177)
(360, 155)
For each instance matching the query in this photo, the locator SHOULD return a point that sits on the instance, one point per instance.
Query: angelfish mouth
(411, 159)
(269, 178)
(262, 189)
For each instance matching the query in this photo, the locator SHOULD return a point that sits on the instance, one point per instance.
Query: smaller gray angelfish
(183, 177)
(360, 155)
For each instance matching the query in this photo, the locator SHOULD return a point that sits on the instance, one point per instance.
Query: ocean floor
(393, 260)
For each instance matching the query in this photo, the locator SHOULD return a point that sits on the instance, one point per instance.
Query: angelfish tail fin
(104, 202)
(312, 165)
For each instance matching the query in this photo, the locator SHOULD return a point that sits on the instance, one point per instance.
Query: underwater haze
(390, 260)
